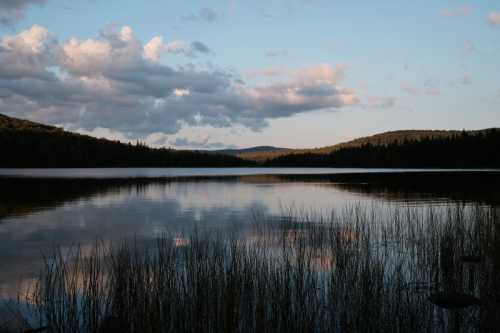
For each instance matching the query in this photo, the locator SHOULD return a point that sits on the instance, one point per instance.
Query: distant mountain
(258, 153)
(403, 149)
(385, 138)
(26, 144)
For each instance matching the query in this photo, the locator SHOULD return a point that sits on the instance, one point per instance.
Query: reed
(360, 269)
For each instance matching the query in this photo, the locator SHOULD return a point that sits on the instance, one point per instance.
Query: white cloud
(494, 18)
(32, 40)
(27, 54)
(155, 48)
(187, 143)
(320, 72)
(181, 92)
(86, 56)
(118, 83)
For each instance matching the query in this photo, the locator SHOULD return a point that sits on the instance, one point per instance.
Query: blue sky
(298, 73)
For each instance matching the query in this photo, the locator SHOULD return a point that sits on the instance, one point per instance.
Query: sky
(198, 74)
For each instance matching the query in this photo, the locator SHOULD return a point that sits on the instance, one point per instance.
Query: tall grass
(357, 270)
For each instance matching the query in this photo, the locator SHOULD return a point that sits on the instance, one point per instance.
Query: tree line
(479, 149)
(26, 144)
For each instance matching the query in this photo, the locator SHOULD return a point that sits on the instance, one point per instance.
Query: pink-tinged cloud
(116, 81)
(494, 18)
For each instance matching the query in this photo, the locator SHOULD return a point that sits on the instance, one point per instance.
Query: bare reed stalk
(358, 270)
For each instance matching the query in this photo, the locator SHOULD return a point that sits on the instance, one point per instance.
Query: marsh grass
(356, 270)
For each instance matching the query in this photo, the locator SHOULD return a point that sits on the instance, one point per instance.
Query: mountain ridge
(384, 138)
(29, 144)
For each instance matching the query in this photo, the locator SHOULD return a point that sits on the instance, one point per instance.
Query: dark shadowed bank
(378, 269)
(462, 150)
(28, 145)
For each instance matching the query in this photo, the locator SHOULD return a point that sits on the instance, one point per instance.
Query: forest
(479, 149)
(27, 144)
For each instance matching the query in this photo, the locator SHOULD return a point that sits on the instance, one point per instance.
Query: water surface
(44, 208)
(193, 172)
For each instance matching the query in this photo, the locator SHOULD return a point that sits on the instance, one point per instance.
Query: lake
(387, 230)
(44, 208)
(193, 172)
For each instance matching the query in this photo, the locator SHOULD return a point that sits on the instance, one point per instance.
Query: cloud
(155, 48)
(205, 14)
(117, 82)
(318, 73)
(456, 11)
(27, 55)
(494, 18)
(12, 11)
(193, 141)
(197, 46)
(195, 144)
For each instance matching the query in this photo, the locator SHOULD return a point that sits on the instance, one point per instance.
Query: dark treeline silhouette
(27, 144)
(465, 150)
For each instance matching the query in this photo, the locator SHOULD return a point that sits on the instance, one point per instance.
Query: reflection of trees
(23, 196)
(466, 186)
(20, 196)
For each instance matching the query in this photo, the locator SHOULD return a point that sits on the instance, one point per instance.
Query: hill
(404, 149)
(28, 144)
(377, 139)
(249, 153)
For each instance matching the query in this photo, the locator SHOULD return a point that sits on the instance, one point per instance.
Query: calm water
(78, 206)
(190, 172)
